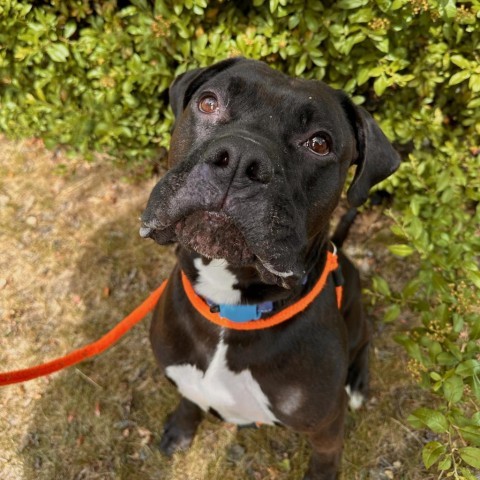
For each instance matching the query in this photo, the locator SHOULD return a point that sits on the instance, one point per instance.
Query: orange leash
(117, 332)
(87, 351)
(204, 309)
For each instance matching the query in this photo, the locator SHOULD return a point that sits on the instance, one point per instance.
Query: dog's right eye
(208, 104)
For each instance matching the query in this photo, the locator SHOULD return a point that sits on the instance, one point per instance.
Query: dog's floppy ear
(376, 158)
(186, 84)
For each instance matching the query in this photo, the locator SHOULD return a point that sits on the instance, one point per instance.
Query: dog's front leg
(180, 427)
(327, 445)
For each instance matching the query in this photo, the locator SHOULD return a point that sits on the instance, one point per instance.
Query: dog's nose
(240, 159)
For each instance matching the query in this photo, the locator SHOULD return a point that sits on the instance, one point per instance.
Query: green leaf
(434, 349)
(349, 4)
(459, 77)
(475, 103)
(446, 359)
(363, 74)
(453, 389)
(401, 250)
(471, 434)
(474, 277)
(475, 384)
(468, 474)
(396, 4)
(444, 180)
(69, 29)
(384, 5)
(445, 463)
(383, 45)
(412, 348)
(449, 7)
(476, 418)
(293, 21)
(412, 288)
(311, 20)
(361, 16)
(380, 85)
(431, 453)
(273, 5)
(415, 204)
(471, 456)
(416, 228)
(433, 419)
(381, 286)
(474, 83)
(301, 65)
(285, 465)
(351, 41)
(468, 368)
(460, 61)
(58, 52)
(392, 313)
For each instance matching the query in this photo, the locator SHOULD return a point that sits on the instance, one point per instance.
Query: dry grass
(71, 265)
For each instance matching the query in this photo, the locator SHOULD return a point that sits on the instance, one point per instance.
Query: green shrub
(92, 75)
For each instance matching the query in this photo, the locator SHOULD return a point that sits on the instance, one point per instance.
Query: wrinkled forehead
(253, 87)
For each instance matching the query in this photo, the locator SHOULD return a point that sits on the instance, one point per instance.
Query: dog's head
(257, 164)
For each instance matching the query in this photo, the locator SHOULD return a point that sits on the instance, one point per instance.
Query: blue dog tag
(240, 313)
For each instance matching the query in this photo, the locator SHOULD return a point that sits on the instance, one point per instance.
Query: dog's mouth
(210, 234)
(214, 235)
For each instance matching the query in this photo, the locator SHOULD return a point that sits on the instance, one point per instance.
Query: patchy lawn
(71, 265)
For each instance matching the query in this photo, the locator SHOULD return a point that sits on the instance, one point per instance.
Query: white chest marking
(215, 282)
(237, 397)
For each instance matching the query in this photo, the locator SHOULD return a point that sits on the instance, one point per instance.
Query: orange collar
(203, 308)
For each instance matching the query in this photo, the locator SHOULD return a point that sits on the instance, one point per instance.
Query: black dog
(257, 162)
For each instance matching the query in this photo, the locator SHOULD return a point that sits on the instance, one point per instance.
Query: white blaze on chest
(237, 397)
(216, 282)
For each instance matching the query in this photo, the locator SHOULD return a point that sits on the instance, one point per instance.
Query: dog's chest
(237, 397)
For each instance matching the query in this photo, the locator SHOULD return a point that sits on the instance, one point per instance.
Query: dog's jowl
(261, 321)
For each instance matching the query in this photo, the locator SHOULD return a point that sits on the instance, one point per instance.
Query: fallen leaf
(144, 432)
(77, 299)
(475, 151)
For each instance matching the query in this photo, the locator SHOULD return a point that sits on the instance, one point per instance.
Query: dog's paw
(355, 398)
(175, 439)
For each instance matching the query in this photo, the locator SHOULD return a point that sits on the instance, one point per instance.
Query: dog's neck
(222, 283)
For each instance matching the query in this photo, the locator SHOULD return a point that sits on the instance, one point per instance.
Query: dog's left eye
(208, 104)
(319, 144)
